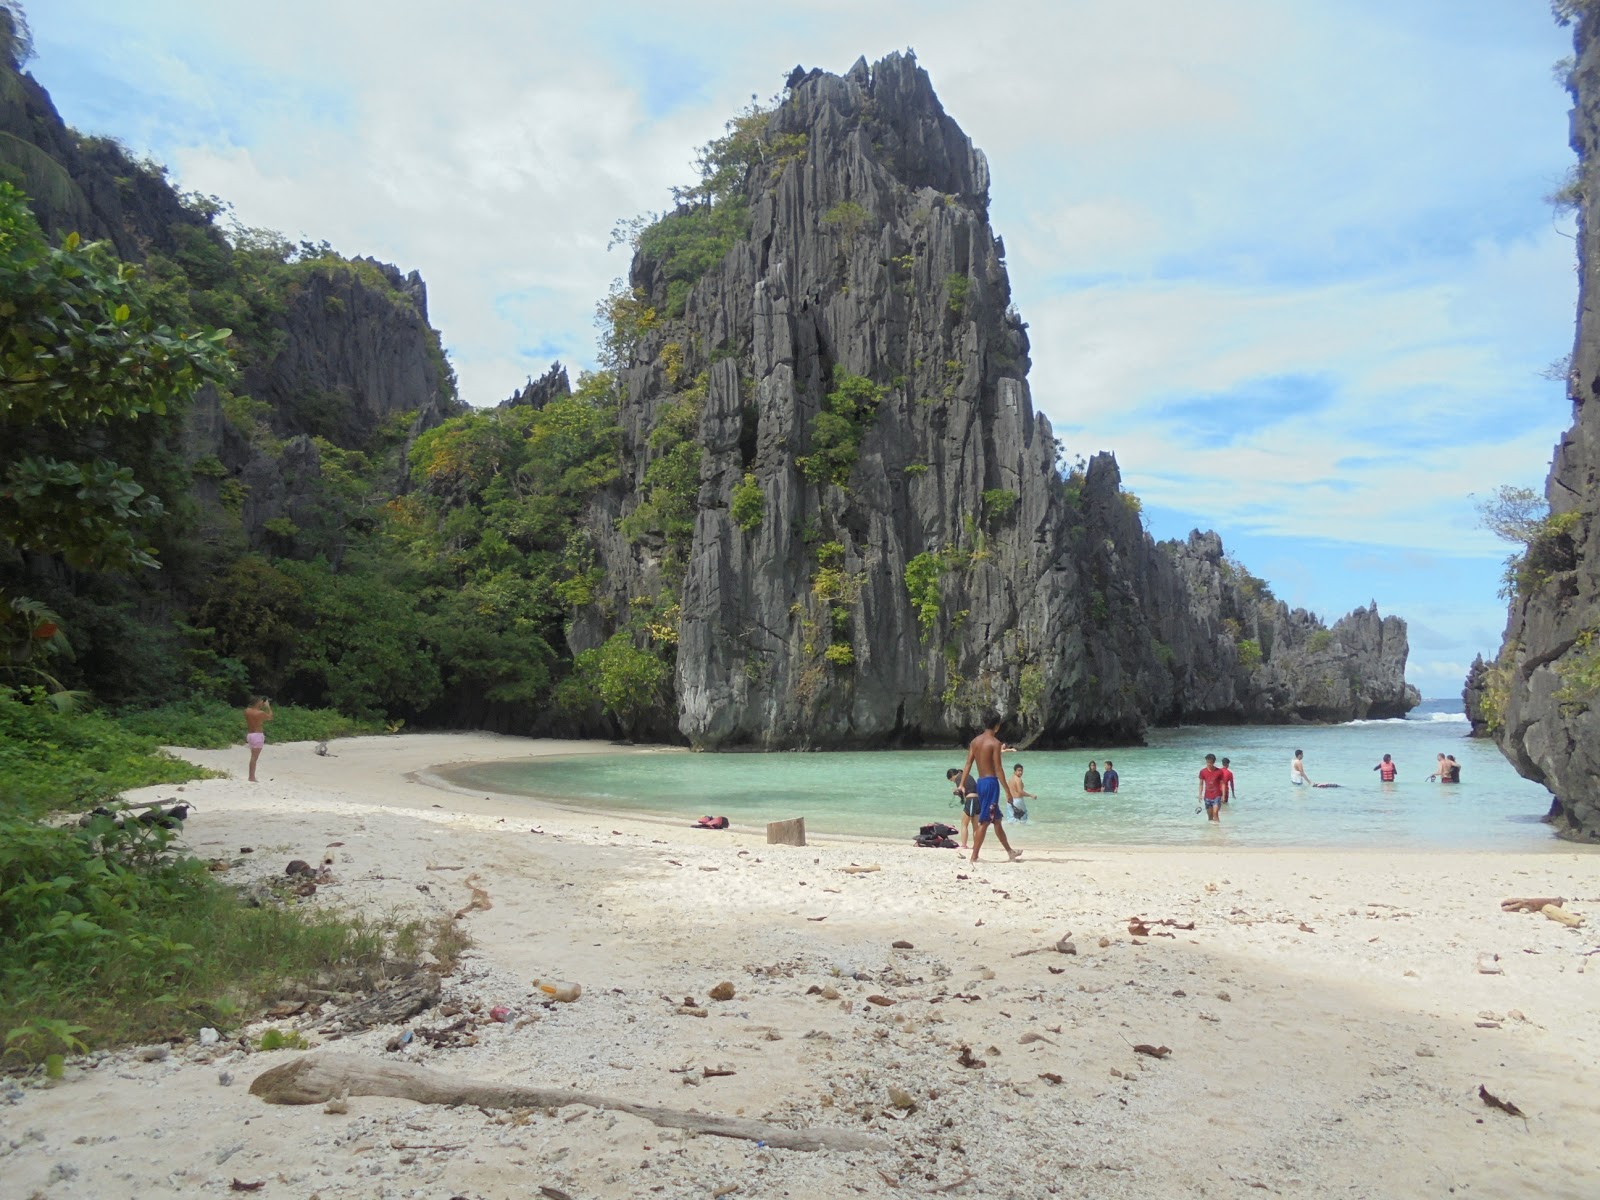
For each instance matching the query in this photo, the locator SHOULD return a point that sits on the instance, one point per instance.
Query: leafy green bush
(848, 217)
(1249, 654)
(840, 654)
(51, 760)
(998, 504)
(922, 584)
(837, 431)
(958, 286)
(1320, 640)
(749, 503)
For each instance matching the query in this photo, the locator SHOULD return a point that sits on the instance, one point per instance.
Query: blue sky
(1290, 262)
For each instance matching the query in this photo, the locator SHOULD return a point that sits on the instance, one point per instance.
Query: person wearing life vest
(1387, 769)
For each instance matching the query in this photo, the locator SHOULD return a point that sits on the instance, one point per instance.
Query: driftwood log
(1556, 913)
(318, 1078)
(1530, 904)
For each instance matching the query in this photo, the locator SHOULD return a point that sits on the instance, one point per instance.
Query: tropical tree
(81, 357)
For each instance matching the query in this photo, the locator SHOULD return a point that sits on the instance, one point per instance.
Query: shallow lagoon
(891, 792)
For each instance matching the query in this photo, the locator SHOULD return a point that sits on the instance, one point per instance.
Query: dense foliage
(85, 357)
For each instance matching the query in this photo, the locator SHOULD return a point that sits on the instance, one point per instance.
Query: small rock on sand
(723, 991)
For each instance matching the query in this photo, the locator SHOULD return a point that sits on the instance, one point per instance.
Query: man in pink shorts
(256, 717)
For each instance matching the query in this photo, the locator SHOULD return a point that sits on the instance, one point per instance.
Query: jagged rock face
(1551, 729)
(871, 253)
(552, 385)
(352, 353)
(353, 346)
(1475, 697)
(91, 188)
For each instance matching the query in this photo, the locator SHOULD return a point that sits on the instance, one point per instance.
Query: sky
(1291, 263)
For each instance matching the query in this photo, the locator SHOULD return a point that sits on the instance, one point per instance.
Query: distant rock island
(875, 536)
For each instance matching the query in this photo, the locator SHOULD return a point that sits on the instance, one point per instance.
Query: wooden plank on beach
(787, 833)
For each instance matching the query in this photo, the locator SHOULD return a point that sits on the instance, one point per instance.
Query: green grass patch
(110, 936)
(51, 760)
(213, 725)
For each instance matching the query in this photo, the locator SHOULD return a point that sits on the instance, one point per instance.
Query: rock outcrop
(879, 541)
(552, 385)
(349, 349)
(1475, 698)
(1544, 706)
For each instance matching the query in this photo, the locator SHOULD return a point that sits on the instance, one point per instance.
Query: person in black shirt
(1091, 778)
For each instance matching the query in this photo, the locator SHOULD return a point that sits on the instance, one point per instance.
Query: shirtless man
(1019, 810)
(985, 751)
(256, 717)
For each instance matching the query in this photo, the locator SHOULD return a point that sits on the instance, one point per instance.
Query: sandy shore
(1329, 1016)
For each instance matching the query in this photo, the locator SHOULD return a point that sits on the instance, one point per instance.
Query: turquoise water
(892, 792)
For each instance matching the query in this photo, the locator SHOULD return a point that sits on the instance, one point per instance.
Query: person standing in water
(1211, 788)
(985, 751)
(1228, 792)
(1019, 810)
(1297, 770)
(1387, 769)
(256, 716)
(1091, 778)
(1110, 781)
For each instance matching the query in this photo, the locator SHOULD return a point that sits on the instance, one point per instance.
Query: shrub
(840, 654)
(848, 217)
(1320, 640)
(837, 431)
(998, 503)
(51, 759)
(922, 584)
(1249, 654)
(749, 503)
(957, 286)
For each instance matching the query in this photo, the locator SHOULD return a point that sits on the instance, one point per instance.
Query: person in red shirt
(1211, 788)
(1228, 792)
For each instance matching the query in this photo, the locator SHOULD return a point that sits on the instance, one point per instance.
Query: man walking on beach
(985, 751)
(256, 717)
(1211, 789)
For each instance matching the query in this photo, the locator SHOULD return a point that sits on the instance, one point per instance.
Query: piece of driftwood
(317, 1078)
(787, 833)
(392, 1005)
(1530, 903)
(1556, 913)
(858, 870)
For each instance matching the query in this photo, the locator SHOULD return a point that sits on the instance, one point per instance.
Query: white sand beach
(1329, 1016)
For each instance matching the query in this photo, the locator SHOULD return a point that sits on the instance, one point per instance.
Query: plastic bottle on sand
(557, 990)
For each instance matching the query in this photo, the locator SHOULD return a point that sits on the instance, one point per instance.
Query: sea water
(891, 793)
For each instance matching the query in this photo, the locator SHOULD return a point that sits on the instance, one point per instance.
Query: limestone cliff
(870, 539)
(340, 349)
(1545, 686)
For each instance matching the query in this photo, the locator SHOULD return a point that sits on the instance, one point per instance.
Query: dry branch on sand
(318, 1078)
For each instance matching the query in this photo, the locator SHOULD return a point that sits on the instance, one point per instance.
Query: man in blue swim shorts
(985, 751)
